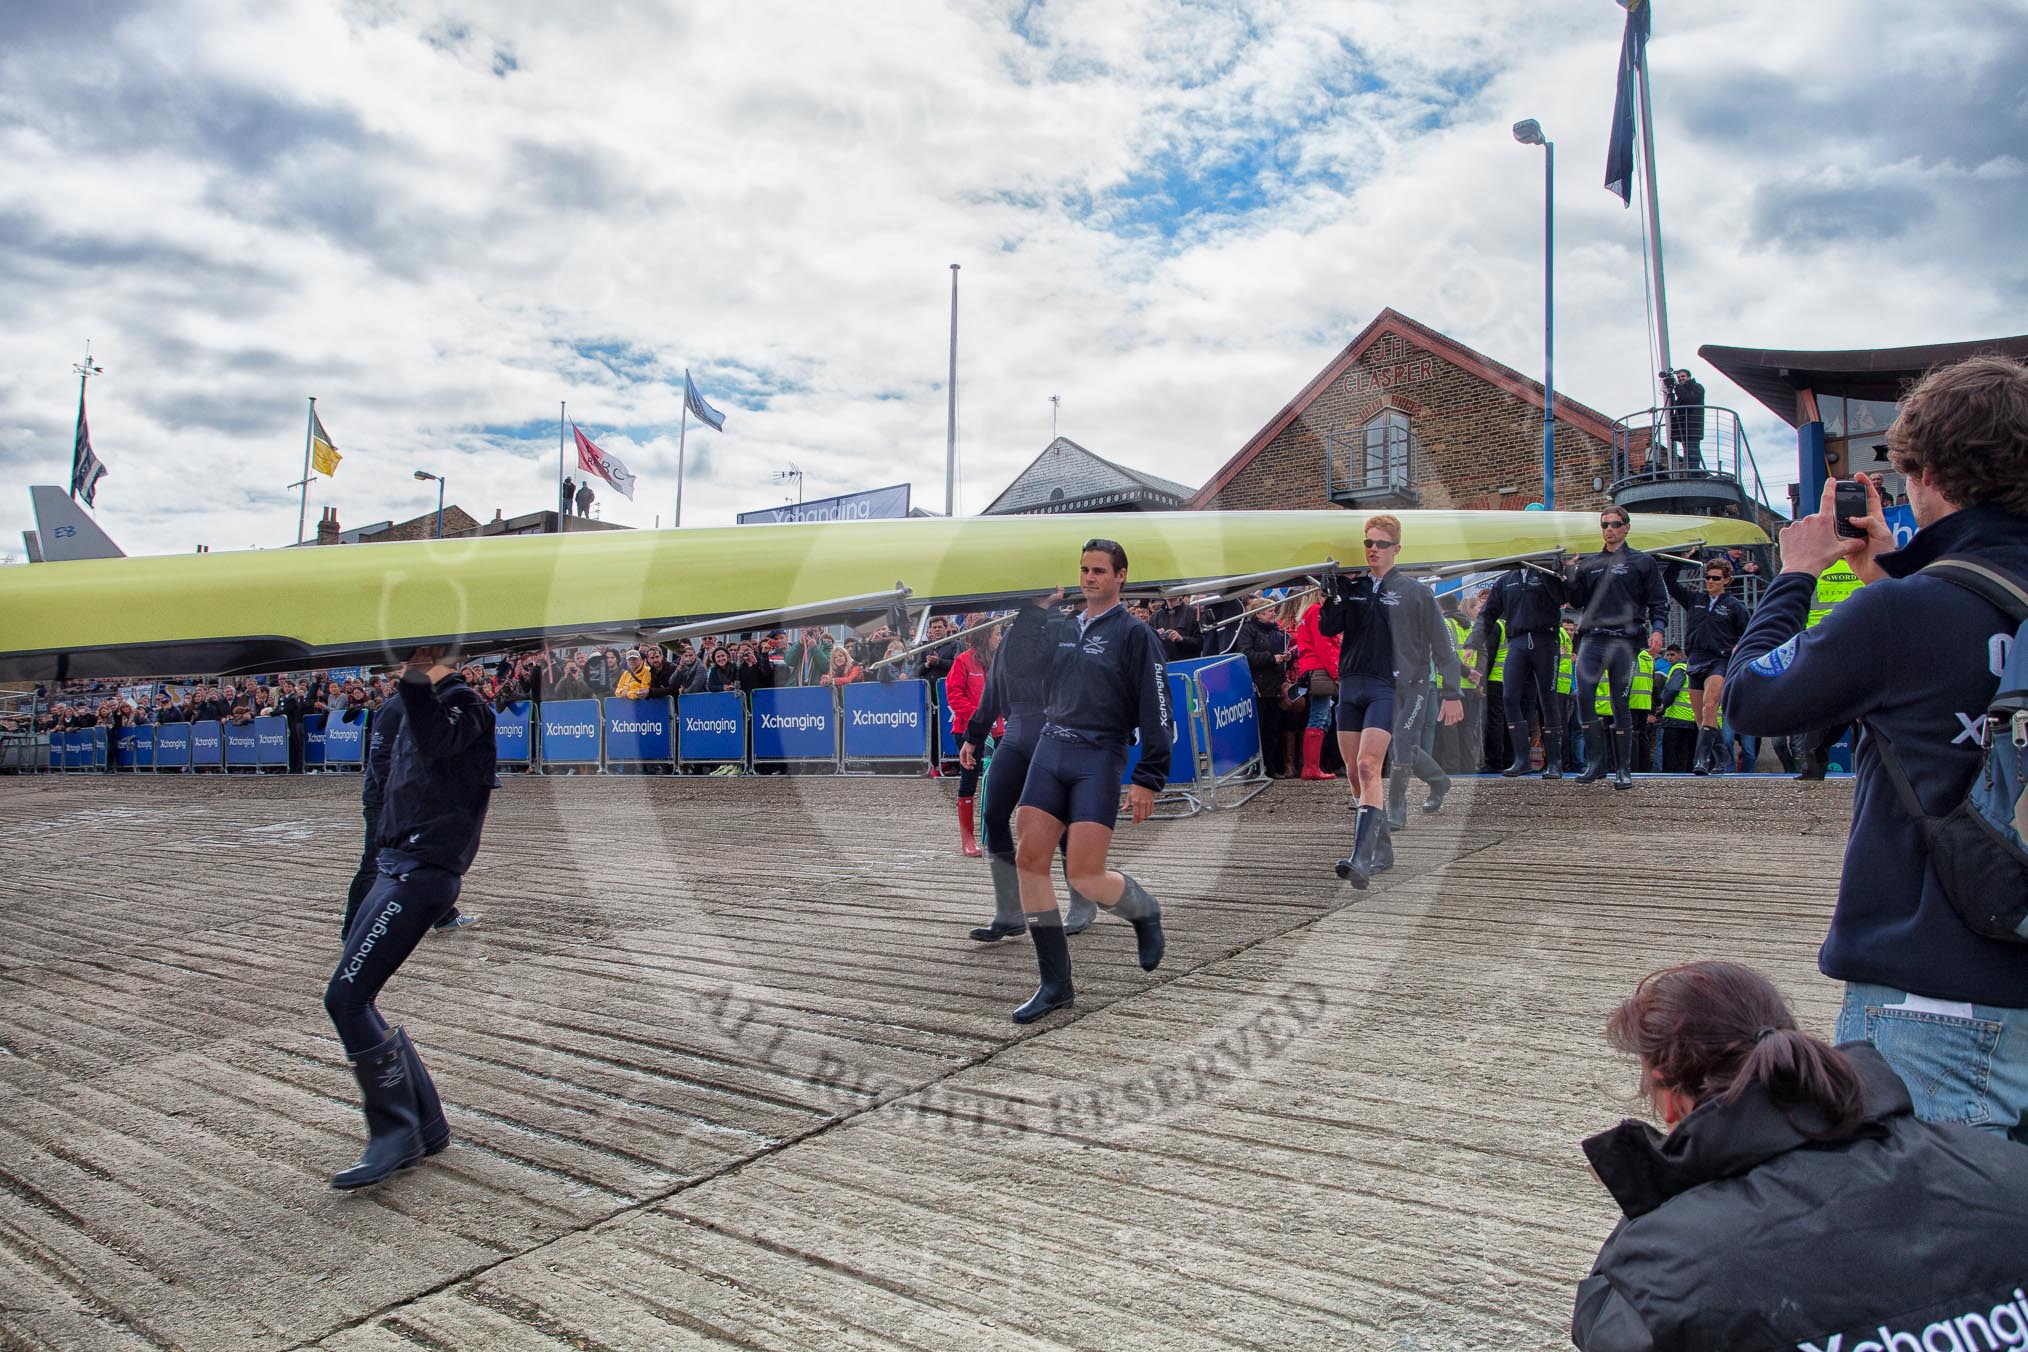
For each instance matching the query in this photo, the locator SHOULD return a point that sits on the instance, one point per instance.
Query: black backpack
(1979, 849)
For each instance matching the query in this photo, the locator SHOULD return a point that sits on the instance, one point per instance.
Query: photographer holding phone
(1916, 659)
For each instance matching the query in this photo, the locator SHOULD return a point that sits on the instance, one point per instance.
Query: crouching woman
(1795, 1201)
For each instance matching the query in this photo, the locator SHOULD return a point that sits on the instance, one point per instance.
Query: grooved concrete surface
(724, 1070)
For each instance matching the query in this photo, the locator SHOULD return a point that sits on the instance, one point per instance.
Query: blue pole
(440, 507)
(1549, 325)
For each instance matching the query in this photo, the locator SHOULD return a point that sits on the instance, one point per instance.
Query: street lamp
(1529, 133)
(425, 475)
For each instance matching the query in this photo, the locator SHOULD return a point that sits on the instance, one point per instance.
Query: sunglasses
(1612, 525)
(1714, 577)
(1383, 544)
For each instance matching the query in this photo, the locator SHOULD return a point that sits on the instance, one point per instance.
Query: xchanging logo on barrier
(573, 729)
(892, 718)
(703, 725)
(794, 722)
(638, 725)
(1224, 716)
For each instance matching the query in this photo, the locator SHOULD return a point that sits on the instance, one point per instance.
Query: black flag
(85, 469)
(1619, 178)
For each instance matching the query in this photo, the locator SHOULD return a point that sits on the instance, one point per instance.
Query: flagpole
(682, 428)
(563, 516)
(309, 426)
(951, 422)
(1654, 203)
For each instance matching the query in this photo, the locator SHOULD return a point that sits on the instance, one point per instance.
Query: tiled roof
(1066, 470)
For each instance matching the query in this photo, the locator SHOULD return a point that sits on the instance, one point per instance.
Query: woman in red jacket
(1316, 666)
(963, 689)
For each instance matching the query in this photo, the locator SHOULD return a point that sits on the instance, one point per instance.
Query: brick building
(1406, 417)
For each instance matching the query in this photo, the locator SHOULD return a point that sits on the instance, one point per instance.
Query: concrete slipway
(724, 1070)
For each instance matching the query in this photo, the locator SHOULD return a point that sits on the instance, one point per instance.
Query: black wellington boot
(1358, 869)
(1007, 921)
(1517, 738)
(1383, 852)
(1397, 798)
(1552, 755)
(1700, 762)
(1432, 774)
(1623, 759)
(1052, 957)
(1596, 753)
(1144, 913)
(394, 1140)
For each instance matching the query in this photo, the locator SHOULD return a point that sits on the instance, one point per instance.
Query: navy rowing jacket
(439, 772)
(1105, 683)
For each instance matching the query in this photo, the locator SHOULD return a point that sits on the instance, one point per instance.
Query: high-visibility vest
(1642, 698)
(1564, 659)
(1500, 661)
(1679, 709)
(1468, 658)
(1837, 583)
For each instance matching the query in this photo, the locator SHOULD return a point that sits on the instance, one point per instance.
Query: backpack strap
(1996, 585)
(1904, 789)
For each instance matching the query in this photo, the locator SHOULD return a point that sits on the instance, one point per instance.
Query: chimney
(327, 527)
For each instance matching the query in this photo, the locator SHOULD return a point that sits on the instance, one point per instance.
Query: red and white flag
(603, 463)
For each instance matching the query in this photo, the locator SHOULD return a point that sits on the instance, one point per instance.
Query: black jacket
(1711, 625)
(1915, 657)
(1529, 600)
(1017, 688)
(1741, 1235)
(1260, 641)
(1393, 631)
(1180, 619)
(1618, 594)
(1106, 681)
(439, 771)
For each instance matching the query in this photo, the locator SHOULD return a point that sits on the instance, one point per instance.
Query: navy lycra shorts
(1074, 781)
(1365, 702)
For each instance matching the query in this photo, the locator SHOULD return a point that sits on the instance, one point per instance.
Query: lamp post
(1529, 133)
(426, 475)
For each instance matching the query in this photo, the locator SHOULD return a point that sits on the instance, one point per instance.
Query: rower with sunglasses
(1713, 621)
(1620, 598)
(1393, 632)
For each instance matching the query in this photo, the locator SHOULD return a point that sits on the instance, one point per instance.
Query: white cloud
(442, 220)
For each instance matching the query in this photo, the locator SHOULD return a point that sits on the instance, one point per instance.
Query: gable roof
(1066, 471)
(1391, 322)
(1773, 376)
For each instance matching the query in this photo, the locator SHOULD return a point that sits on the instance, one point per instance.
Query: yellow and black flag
(324, 456)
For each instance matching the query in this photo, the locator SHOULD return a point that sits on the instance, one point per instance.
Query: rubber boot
(393, 1127)
(1700, 762)
(1007, 918)
(1552, 755)
(1082, 910)
(1517, 738)
(1052, 957)
(1623, 759)
(1720, 759)
(1383, 852)
(429, 1109)
(1358, 869)
(1144, 913)
(1432, 774)
(1397, 798)
(968, 828)
(1595, 754)
(1289, 754)
(1313, 755)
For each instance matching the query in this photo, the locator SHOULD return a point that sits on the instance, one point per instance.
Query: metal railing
(1692, 441)
(1359, 467)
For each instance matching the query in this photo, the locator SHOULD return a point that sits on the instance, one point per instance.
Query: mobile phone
(1850, 500)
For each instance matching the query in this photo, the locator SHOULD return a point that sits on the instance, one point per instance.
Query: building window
(1386, 444)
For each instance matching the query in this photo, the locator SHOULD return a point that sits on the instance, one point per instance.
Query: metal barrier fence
(1215, 761)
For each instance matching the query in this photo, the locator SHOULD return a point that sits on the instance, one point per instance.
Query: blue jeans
(1320, 711)
(1972, 1071)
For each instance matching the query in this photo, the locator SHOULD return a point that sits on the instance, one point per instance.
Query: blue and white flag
(85, 469)
(694, 401)
(1619, 179)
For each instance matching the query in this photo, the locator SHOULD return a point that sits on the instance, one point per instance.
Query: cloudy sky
(441, 219)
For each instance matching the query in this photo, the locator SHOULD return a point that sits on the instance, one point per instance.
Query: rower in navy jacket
(1619, 591)
(1106, 680)
(1713, 620)
(1017, 690)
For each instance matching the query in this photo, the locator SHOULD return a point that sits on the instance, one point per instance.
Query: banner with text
(711, 727)
(272, 735)
(638, 731)
(345, 738)
(886, 721)
(172, 746)
(511, 743)
(875, 504)
(207, 745)
(797, 722)
(570, 732)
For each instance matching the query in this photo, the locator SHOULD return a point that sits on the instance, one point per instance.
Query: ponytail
(1716, 1029)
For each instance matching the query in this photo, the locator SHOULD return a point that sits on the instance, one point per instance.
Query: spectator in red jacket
(1316, 665)
(963, 689)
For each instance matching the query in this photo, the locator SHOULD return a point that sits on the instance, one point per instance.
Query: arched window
(1386, 449)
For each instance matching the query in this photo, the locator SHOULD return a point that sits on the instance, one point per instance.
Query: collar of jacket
(1982, 526)
(1643, 1168)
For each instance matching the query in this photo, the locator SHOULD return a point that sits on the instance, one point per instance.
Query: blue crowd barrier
(99, 746)
(885, 721)
(513, 742)
(242, 747)
(172, 746)
(570, 731)
(345, 739)
(639, 731)
(313, 742)
(1182, 740)
(136, 750)
(271, 737)
(711, 726)
(795, 723)
(1231, 718)
(947, 741)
